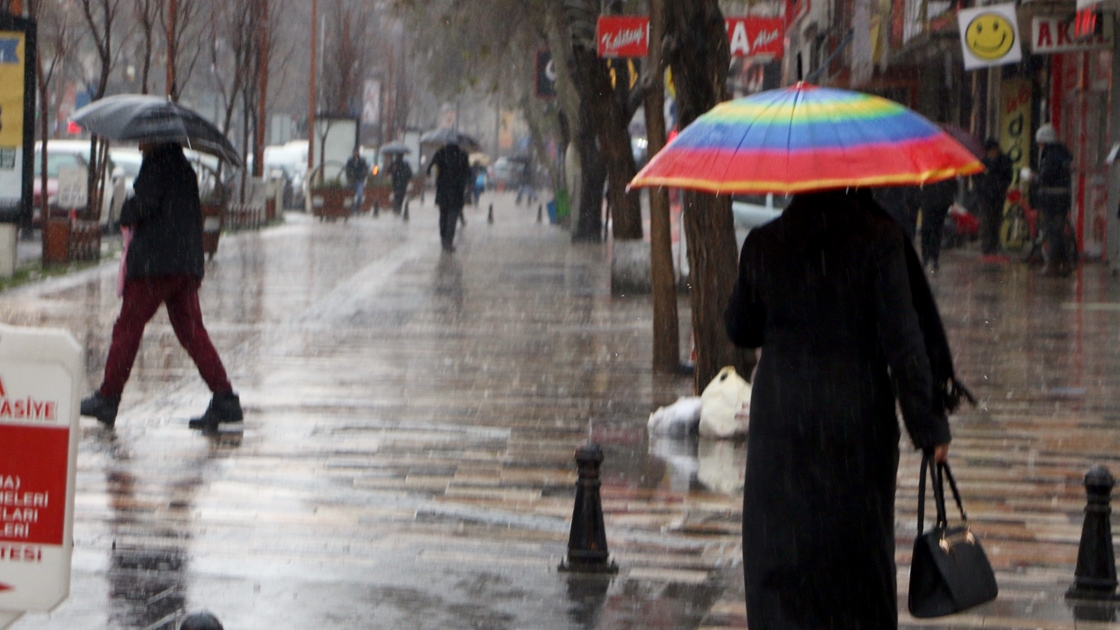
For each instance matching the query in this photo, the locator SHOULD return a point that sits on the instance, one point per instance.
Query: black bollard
(490, 214)
(587, 543)
(200, 621)
(1095, 576)
(404, 214)
(540, 215)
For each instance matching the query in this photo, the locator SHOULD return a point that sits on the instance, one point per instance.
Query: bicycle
(1022, 226)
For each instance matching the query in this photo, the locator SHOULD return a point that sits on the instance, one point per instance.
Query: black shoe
(102, 408)
(223, 408)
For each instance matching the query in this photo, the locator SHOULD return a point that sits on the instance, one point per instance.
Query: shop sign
(1056, 35)
(989, 36)
(753, 37)
(1015, 132)
(625, 36)
(756, 37)
(12, 59)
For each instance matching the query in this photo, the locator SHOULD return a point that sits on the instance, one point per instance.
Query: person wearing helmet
(1051, 192)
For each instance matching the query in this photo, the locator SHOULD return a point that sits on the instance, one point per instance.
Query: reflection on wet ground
(411, 418)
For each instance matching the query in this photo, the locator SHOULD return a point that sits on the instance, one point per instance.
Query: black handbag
(949, 572)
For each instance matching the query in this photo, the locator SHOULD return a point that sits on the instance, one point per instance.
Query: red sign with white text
(756, 37)
(628, 36)
(623, 36)
(33, 483)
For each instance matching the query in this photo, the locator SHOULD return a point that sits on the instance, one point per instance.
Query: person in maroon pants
(163, 265)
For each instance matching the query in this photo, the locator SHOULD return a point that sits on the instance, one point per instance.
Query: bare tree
(102, 18)
(148, 16)
(696, 48)
(180, 24)
(349, 39)
(55, 46)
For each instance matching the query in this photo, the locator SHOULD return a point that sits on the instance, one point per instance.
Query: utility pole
(172, 52)
(311, 93)
(262, 85)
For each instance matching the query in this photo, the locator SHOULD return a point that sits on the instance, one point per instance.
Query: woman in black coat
(824, 291)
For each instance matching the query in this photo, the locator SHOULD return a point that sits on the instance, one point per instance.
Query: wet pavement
(411, 417)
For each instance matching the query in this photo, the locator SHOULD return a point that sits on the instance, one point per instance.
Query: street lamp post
(311, 91)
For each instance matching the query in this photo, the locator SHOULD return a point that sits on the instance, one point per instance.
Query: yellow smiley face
(989, 36)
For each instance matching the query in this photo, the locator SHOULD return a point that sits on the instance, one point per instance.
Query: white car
(751, 211)
(71, 154)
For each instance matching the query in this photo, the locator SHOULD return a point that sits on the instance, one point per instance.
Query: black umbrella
(145, 118)
(446, 135)
(394, 148)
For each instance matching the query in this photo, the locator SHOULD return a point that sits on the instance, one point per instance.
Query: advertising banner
(990, 36)
(1056, 35)
(40, 372)
(12, 57)
(1015, 134)
(622, 36)
(756, 37)
(371, 102)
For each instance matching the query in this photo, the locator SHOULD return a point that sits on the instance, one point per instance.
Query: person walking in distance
(356, 170)
(400, 173)
(1051, 193)
(935, 199)
(453, 172)
(163, 265)
(991, 193)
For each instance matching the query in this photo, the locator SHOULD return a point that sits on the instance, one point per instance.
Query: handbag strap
(938, 492)
(948, 474)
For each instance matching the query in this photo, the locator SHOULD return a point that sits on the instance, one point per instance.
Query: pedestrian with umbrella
(163, 260)
(832, 293)
(453, 173)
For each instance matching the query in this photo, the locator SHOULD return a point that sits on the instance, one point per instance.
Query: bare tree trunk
(593, 173)
(698, 53)
(666, 326)
(604, 111)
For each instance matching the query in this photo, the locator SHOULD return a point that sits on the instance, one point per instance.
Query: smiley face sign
(989, 36)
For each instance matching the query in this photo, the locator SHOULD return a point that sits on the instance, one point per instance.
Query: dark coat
(1052, 191)
(166, 217)
(400, 173)
(902, 203)
(454, 175)
(824, 290)
(992, 184)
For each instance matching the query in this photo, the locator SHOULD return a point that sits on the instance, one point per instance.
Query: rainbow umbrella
(804, 138)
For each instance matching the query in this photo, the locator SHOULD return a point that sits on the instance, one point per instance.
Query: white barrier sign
(40, 371)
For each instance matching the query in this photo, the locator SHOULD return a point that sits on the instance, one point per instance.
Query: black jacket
(1051, 191)
(401, 173)
(454, 175)
(992, 184)
(166, 217)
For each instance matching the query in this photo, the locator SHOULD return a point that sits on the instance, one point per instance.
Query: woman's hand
(941, 453)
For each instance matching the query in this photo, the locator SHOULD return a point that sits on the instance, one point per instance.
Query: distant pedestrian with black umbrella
(453, 173)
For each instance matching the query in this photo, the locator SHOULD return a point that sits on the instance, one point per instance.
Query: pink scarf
(126, 233)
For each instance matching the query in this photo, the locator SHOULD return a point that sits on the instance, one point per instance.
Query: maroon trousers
(142, 297)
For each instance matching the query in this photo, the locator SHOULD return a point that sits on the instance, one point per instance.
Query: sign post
(40, 370)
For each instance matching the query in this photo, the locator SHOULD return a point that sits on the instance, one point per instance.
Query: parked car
(504, 172)
(67, 154)
(751, 211)
(290, 159)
